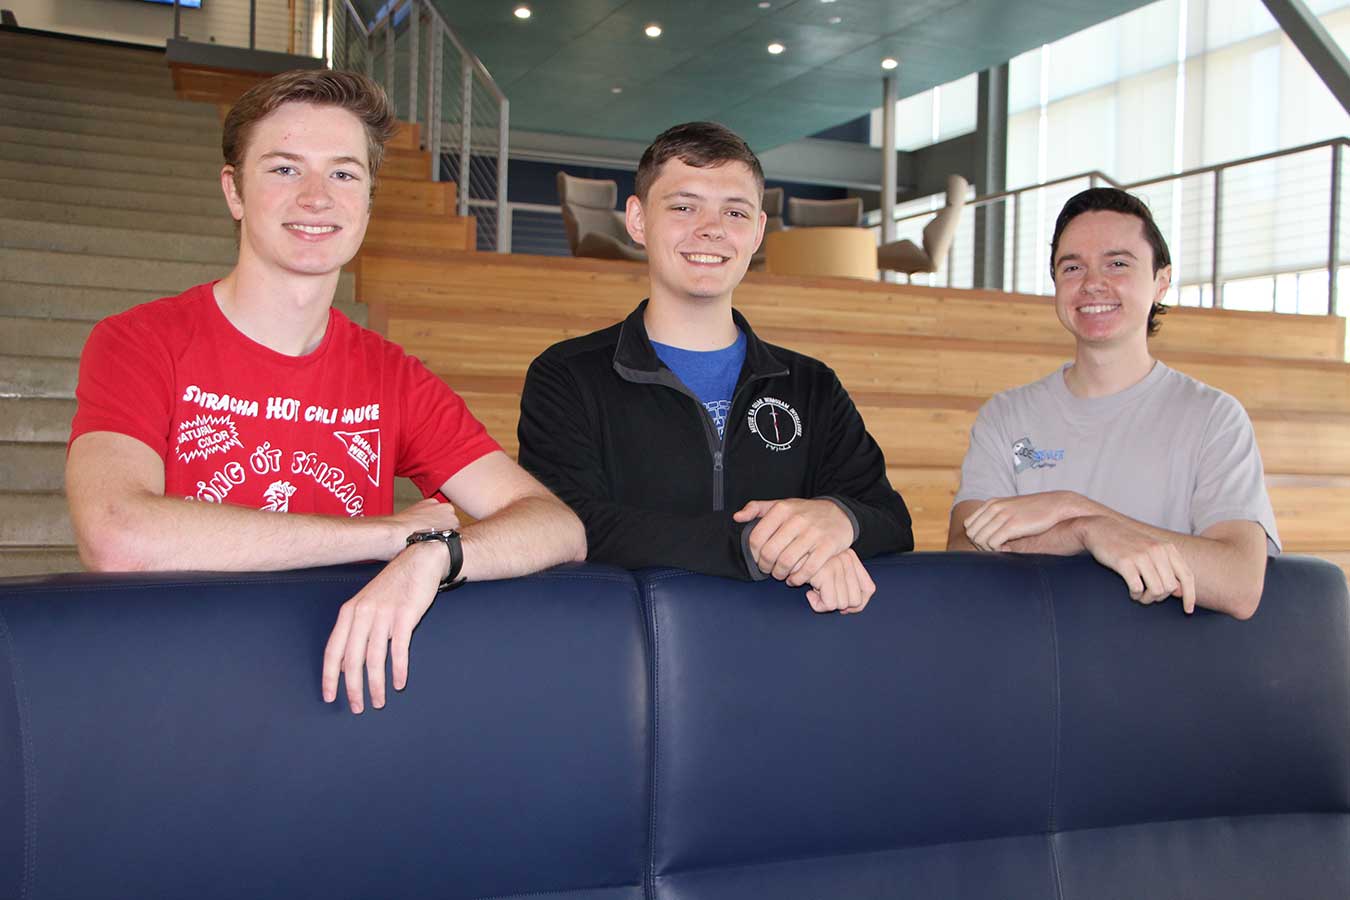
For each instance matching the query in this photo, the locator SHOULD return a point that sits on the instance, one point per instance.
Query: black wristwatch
(450, 538)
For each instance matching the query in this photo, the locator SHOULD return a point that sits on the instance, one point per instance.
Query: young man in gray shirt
(1155, 474)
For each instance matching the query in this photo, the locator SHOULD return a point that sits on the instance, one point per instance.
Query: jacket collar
(636, 359)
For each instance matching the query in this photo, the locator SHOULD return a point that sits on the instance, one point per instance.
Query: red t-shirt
(236, 422)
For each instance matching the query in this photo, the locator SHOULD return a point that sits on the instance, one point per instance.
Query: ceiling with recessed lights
(561, 65)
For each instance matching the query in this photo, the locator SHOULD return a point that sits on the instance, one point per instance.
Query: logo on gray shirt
(1026, 456)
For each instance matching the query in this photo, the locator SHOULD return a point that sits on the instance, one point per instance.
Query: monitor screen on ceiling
(187, 4)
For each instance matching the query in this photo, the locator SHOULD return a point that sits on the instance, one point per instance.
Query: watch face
(431, 534)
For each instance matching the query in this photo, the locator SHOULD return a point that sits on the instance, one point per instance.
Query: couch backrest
(990, 726)
(167, 739)
(1203, 758)
(1000, 727)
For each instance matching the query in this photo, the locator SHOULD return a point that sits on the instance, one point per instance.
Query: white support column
(503, 209)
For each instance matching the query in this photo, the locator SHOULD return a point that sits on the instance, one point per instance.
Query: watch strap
(450, 538)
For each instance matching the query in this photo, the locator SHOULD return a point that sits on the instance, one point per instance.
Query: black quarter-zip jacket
(619, 438)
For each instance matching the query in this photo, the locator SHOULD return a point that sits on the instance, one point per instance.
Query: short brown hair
(1106, 199)
(355, 93)
(697, 144)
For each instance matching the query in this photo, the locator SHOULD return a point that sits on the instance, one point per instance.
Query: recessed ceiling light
(522, 12)
(835, 20)
(826, 1)
(653, 30)
(776, 48)
(764, 4)
(889, 63)
(616, 90)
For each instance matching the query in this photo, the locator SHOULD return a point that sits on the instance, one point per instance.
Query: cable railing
(1272, 222)
(438, 83)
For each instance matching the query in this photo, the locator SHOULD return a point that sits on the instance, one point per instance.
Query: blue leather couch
(990, 727)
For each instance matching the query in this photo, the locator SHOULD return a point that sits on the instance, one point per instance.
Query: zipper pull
(717, 460)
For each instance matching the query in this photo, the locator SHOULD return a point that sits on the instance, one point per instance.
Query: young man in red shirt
(202, 416)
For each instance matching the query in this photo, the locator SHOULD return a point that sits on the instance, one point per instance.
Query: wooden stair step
(603, 291)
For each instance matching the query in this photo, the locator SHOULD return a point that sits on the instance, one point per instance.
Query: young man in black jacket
(680, 438)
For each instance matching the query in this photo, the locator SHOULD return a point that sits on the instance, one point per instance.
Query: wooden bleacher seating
(412, 213)
(918, 362)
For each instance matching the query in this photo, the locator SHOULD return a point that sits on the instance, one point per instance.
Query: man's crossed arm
(123, 521)
(809, 542)
(1222, 569)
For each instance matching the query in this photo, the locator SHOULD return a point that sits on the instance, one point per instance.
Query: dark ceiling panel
(591, 56)
(807, 45)
(876, 17)
(758, 73)
(560, 66)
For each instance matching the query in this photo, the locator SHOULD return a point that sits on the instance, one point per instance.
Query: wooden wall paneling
(581, 286)
(403, 195)
(1310, 511)
(916, 432)
(410, 164)
(210, 85)
(407, 137)
(399, 233)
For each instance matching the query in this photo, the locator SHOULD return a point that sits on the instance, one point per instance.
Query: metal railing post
(389, 56)
(434, 102)
(369, 65)
(177, 20)
(503, 211)
(1215, 294)
(1334, 251)
(252, 24)
(465, 123)
(1016, 199)
(414, 50)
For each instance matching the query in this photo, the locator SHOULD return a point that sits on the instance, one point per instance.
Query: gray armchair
(905, 256)
(594, 227)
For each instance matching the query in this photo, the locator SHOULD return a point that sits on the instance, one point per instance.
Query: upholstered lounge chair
(905, 256)
(594, 227)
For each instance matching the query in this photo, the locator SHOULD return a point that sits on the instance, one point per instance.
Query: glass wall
(943, 112)
(1172, 86)
(1177, 85)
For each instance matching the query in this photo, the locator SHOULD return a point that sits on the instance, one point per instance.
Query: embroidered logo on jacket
(1026, 456)
(776, 423)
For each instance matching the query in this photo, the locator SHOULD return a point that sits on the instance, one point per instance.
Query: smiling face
(701, 226)
(1104, 279)
(304, 201)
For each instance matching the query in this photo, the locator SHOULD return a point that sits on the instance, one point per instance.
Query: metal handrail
(987, 199)
(1245, 161)
(1217, 170)
(471, 69)
(355, 16)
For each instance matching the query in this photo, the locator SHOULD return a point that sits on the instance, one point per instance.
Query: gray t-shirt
(1169, 451)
